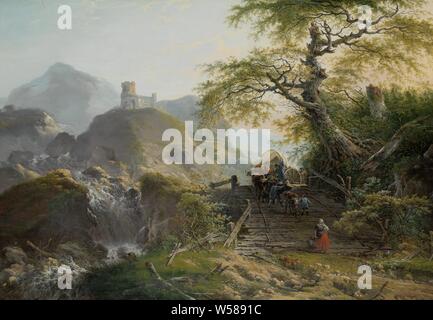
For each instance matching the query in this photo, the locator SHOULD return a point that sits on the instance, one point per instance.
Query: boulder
(133, 197)
(61, 145)
(15, 270)
(101, 154)
(15, 255)
(20, 157)
(95, 172)
(26, 130)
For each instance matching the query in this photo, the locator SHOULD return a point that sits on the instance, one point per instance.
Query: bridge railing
(234, 234)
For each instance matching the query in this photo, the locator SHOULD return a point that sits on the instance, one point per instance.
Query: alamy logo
(65, 20)
(364, 19)
(364, 281)
(243, 146)
(64, 280)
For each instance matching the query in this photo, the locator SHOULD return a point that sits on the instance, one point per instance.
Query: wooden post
(233, 235)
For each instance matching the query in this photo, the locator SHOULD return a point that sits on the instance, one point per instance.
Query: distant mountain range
(184, 108)
(72, 97)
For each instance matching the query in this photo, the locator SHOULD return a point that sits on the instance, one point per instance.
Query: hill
(133, 138)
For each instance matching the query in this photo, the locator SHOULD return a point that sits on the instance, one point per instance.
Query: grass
(247, 278)
(419, 268)
(133, 280)
(336, 262)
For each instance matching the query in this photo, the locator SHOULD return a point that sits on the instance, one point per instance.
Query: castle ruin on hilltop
(130, 100)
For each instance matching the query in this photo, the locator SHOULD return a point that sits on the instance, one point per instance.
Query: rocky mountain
(184, 108)
(132, 138)
(27, 130)
(73, 97)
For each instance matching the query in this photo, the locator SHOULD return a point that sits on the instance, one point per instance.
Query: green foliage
(403, 106)
(245, 89)
(402, 39)
(420, 268)
(393, 219)
(163, 186)
(24, 206)
(235, 89)
(198, 218)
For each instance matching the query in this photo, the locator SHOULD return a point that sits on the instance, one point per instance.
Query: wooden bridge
(262, 229)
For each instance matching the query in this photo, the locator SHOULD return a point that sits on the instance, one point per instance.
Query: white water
(118, 219)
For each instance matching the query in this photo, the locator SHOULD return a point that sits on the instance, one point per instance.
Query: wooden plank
(233, 235)
(219, 184)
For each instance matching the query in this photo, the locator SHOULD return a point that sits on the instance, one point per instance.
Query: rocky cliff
(25, 130)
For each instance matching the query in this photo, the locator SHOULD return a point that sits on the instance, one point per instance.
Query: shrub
(197, 218)
(391, 218)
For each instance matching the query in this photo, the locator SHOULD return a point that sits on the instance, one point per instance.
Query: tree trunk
(336, 144)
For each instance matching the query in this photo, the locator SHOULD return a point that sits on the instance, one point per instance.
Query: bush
(393, 219)
(198, 218)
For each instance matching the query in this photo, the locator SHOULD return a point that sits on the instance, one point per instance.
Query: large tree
(349, 37)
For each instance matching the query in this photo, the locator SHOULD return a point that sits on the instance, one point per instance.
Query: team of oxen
(269, 190)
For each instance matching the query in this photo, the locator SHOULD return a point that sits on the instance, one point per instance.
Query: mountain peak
(72, 96)
(59, 66)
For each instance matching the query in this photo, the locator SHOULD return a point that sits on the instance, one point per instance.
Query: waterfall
(118, 215)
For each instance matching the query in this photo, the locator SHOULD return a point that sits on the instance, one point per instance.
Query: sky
(158, 43)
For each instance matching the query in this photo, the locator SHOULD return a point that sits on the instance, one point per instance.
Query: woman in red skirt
(322, 242)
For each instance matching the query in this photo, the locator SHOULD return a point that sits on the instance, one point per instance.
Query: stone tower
(130, 100)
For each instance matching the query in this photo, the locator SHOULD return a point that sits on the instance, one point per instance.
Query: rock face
(184, 108)
(20, 157)
(71, 96)
(61, 145)
(25, 130)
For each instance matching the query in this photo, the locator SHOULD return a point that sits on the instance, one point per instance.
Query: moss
(154, 183)
(24, 206)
